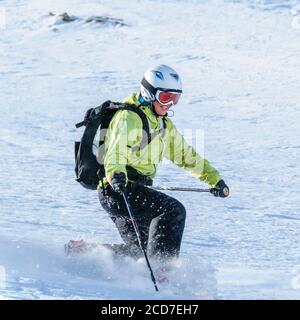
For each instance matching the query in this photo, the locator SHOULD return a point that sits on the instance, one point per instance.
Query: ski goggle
(167, 97)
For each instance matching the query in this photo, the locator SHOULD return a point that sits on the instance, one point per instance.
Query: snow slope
(240, 64)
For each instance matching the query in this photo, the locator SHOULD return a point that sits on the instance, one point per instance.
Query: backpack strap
(147, 137)
(150, 136)
(86, 119)
(145, 122)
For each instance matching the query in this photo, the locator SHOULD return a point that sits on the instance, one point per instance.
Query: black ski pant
(160, 219)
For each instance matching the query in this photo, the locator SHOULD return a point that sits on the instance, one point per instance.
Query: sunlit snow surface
(240, 65)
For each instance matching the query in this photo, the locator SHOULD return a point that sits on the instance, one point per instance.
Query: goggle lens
(167, 97)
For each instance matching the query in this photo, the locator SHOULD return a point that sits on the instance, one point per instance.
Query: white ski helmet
(161, 77)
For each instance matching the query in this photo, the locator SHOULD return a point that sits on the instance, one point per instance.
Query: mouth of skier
(163, 109)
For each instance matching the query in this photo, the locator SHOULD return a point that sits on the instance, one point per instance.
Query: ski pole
(180, 189)
(136, 229)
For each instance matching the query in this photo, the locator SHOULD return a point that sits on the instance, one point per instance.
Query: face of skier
(160, 109)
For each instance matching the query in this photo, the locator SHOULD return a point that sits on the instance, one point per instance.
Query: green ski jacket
(124, 137)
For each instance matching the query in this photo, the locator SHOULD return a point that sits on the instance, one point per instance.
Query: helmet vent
(159, 75)
(174, 75)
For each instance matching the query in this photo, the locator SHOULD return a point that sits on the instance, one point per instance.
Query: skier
(131, 165)
(160, 218)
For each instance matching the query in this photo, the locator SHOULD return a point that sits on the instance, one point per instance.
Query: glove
(220, 190)
(118, 182)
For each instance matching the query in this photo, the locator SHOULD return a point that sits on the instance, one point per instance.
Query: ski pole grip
(226, 192)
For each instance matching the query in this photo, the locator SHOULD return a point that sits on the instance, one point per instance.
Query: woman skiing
(160, 218)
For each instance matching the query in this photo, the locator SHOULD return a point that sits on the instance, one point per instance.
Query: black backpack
(87, 168)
